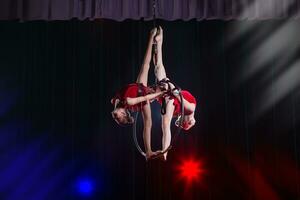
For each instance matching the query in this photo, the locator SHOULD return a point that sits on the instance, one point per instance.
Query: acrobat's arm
(149, 97)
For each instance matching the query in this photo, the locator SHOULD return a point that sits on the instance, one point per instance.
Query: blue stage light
(85, 186)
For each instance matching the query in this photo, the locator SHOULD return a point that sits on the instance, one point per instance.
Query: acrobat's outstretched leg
(166, 124)
(160, 74)
(146, 110)
(144, 70)
(159, 70)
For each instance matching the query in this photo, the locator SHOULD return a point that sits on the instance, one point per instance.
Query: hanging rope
(154, 12)
(154, 51)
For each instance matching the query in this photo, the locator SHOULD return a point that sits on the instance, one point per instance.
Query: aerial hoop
(173, 140)
(135, 137)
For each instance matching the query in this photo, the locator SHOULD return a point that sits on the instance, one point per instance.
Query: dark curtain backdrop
(57, 78)
(137, 9)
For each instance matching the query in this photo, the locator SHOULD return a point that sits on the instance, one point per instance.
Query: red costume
(132, 91)
(187, 96)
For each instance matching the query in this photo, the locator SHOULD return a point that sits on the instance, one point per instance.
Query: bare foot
(162, 157)
(165, 156)
(158, 152)
(150, 154)
(153, 32)
(159, 37)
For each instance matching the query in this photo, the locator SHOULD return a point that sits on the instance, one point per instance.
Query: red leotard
(187, 96)
(132, 91)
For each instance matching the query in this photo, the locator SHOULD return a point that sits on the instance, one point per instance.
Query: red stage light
(190, 170)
